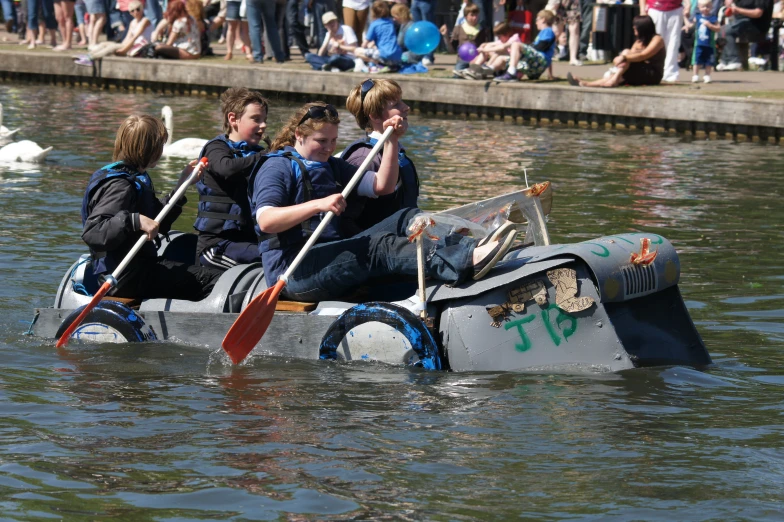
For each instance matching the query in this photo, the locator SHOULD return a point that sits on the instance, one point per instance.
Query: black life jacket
(311, 183)
(405, 196)
(224, 209)
(146, 204)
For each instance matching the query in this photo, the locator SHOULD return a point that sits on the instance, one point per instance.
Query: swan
(5, 132)
(184, 148)
(23, 151)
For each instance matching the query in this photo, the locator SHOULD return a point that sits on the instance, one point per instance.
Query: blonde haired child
(119, 205)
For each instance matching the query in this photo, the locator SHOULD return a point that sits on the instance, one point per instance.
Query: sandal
(485, 265)
(498, 232)
(574, 82)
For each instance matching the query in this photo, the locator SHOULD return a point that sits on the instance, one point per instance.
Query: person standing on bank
(372, 103)
(290, 195)
(224, 222)
(667, 16)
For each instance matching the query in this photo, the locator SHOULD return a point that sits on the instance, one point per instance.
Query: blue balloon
(422, 37)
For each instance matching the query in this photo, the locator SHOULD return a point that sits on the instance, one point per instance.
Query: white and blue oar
(111, 280)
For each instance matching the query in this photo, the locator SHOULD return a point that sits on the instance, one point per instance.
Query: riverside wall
(699, 116)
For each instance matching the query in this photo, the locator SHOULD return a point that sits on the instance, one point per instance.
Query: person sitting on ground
(184, 41)
(493, 56)
(372, 103)
(401, 14)
(120, 205)
(380, 44)
(139, 34)
(291, 195)
(643, 64)
(751, 20)
(705, 45)
(224, 222)
(533, 60)
(468, 31)
(337, 50)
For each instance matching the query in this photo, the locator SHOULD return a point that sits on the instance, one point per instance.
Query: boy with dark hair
(224, 222)
(119, 203)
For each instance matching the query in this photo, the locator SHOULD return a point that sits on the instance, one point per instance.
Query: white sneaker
(578, 63)
(359, 65)
(426, 62)
(736, 66)
(707, 78)
(695, 78)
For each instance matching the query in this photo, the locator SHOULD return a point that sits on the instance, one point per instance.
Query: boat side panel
(289, 334)
(538, 337)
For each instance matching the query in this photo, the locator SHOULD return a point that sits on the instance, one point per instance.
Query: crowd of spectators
(514, 39)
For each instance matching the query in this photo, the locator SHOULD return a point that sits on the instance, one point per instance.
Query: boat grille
(639, 280)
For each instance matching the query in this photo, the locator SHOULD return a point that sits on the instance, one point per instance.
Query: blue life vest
(313, 180)
(146, 204)
(224, 209)
(405, 196)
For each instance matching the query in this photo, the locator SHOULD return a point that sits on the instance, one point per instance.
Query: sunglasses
(366, 86)
(134, 10)
(318, 112)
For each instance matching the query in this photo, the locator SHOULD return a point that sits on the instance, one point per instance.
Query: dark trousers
(148, 278)
(342, 62)
(587, 26)
(331, 270)
(296, 29)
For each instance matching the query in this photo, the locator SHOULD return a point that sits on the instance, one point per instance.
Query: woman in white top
(139, 34)
(184, 42)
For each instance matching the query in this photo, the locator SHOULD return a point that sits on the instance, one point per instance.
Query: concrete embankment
(700, 116)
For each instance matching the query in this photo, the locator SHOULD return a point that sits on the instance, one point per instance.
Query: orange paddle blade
(63, 340)
(250, 326)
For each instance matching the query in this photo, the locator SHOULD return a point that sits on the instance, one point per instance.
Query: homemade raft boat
(599, 305)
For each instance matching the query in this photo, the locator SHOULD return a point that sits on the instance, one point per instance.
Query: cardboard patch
(565, 282)
(519, 296)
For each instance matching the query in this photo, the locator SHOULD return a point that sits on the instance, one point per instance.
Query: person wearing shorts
(97, 12)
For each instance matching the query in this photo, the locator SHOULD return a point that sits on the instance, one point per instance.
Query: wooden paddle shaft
(162, 214)
(346, 191)
(421, 274)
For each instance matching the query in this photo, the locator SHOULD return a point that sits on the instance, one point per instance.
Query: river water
(170, 432)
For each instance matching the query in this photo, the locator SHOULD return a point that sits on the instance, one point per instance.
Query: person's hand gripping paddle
(112, 279)
(254, 320)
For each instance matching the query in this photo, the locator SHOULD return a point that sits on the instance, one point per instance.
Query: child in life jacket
(224, 222)
(119, 206)
(372, 103)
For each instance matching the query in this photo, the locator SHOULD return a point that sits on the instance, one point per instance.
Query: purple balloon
(467, 51)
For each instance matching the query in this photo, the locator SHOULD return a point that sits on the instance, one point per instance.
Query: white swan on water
(185, 148)
(5, 132)
(25, 151)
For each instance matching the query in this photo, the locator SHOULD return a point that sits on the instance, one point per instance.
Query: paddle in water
(112, 279)
(254, 320)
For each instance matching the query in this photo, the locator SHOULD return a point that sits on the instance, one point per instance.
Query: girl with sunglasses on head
(372, 103)
(139, 34)
(295, 187)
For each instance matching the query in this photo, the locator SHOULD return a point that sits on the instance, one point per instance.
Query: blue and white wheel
(382, 332)
(109, 322)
